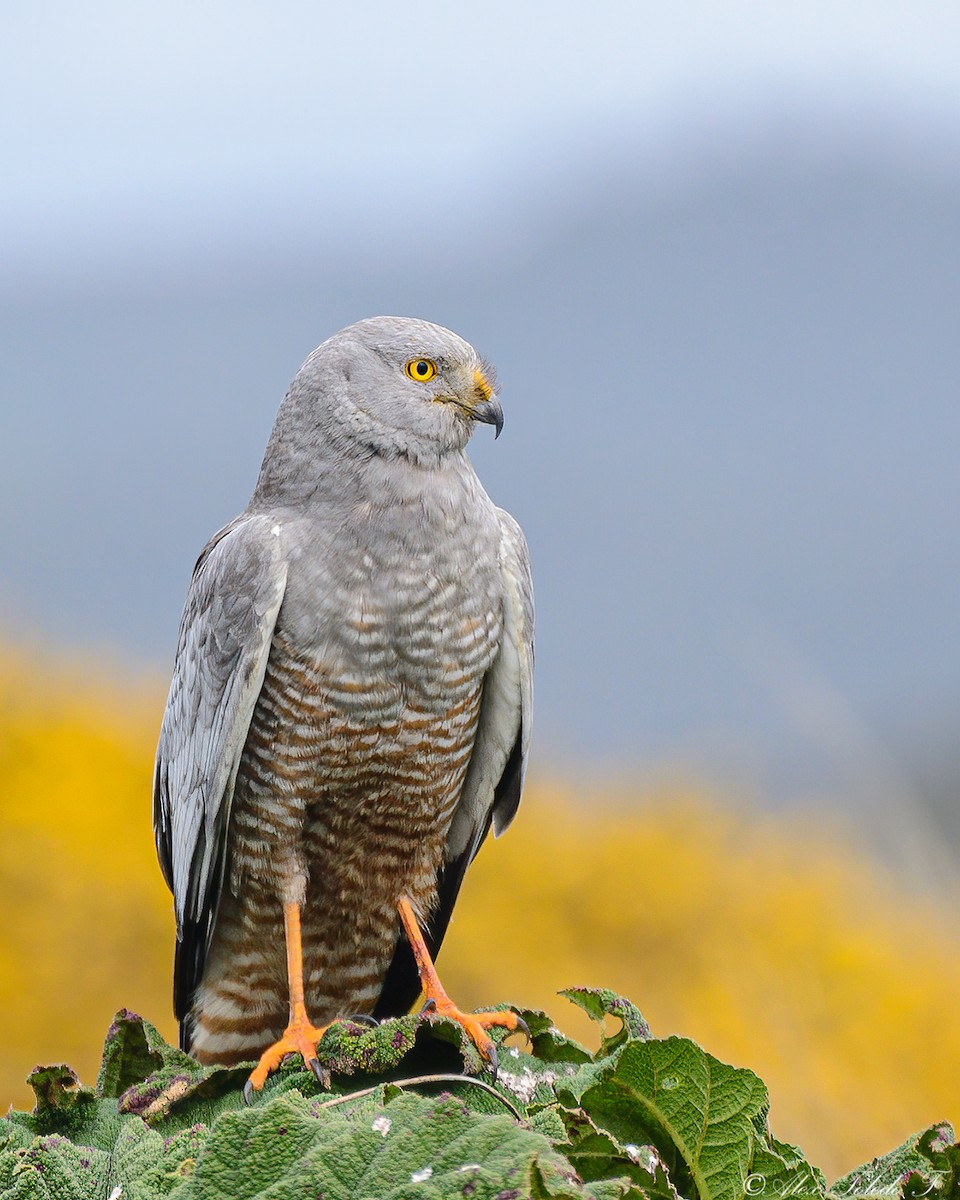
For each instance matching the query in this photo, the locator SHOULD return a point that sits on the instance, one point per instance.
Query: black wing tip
(506, 796)
(188, 966)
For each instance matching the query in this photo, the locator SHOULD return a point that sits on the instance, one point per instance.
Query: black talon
(524, 1029)
(494, 1061)
(363, 1019)
(321, 1073)
(248, 1093)
(428, 1006)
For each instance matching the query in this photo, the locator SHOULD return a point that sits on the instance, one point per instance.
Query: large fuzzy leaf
(925, 1165)
(410, 1147)
(702, 1116)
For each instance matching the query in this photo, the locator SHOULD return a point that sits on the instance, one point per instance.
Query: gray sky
(177, 123)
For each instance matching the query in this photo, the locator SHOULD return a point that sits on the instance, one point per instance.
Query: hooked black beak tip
(489, 412)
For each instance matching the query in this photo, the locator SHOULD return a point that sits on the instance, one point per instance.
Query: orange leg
(475, 1024)
(300, 1036)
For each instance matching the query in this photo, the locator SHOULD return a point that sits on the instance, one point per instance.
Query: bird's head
(397, 385)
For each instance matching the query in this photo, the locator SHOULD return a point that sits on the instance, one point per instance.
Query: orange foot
(476, 1025)
(299, 1037)
(437, 1000)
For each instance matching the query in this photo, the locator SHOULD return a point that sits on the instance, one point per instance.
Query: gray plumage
(350, 707)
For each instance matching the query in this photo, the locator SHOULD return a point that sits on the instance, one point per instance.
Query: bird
(350, 708)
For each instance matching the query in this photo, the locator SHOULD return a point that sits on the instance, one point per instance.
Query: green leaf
(15, 1134)
(548, 1043)
(53, 1168)
(411, 1147)
(349, 1047)
(548, 1120)
(149, 1078)
(147, 1166)
(133, 1050)
(780, 1170)
(927, 1164)
(65, 1107)
(529, 1082)
(59, 1095)
(940, 1146)
(596, 1155)
(599, 1003)
(160, 1094)
(702, 1116)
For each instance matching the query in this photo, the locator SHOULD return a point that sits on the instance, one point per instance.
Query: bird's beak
(489, 412)
(486, 408)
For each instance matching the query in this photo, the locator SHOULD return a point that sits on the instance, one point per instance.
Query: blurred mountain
(732, 430)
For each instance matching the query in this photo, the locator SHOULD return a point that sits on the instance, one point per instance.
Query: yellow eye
(421, 369)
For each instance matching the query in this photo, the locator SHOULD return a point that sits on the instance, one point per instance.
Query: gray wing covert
(225, 634)
(491, 790)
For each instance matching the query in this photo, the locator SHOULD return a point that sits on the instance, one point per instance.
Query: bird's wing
(225, 635)
(491, 790)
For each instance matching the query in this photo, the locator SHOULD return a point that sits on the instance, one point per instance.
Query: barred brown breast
(343, 801)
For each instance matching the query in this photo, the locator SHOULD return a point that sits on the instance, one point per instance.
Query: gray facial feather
(351, 400)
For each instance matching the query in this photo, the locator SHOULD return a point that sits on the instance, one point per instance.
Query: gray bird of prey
(350, 706)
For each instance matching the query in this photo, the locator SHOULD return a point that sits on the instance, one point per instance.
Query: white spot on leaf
(644, 1156)
(422, 1175)
(525, 1084)
(276, 530)
(381, 1125)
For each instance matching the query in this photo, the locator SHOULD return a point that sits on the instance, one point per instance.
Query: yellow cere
(483, 384)
(421, 369)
